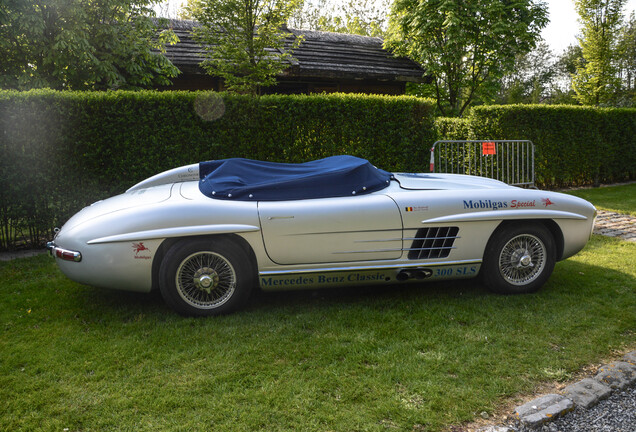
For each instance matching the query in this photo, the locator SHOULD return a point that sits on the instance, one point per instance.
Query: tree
(596, 82)
(466, 46)
(244, 40)
(82, 45)
(362, 17)
(531, 79)
(626, 49)
(565, 67)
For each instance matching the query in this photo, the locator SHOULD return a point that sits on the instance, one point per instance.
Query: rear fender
(168, 243)
(175, 175)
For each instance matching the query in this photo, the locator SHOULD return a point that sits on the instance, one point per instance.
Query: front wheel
(519, 259)
(204, 277)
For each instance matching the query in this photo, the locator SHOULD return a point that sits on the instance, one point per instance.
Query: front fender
(496, 215)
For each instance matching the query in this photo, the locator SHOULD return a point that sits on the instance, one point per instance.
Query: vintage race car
(207, 234)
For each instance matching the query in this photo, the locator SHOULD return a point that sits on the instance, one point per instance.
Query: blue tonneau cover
(250, 180)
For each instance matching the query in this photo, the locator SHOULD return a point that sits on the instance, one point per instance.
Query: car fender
(505, 215)
(186, 231)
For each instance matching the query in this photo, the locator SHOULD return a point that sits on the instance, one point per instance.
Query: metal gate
(510, 161)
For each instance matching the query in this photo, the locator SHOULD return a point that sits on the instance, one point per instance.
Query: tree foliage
(565, 67)
(244, 40)
(465, 45)
(362, 17)
(596, 82)
(531, 78)
(82, 45)
(626, 65)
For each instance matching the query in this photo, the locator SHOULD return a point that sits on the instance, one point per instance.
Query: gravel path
(615, 414)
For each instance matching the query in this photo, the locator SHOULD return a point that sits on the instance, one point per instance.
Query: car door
(361, 228)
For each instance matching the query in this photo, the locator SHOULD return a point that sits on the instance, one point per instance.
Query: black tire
(519, 258)
(205, 277)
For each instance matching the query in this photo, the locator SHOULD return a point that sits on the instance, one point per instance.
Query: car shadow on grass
(573, 283)
(372, 296)
(104, 302)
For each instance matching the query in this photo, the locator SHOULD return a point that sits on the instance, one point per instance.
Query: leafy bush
(62, 150)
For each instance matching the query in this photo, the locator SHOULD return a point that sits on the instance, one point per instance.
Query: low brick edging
(583, 394)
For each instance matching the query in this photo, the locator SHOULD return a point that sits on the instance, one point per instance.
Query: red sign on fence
(488, 148)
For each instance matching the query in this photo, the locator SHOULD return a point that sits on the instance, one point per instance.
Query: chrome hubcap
(522, 259)
(206, 279)
(526, 260)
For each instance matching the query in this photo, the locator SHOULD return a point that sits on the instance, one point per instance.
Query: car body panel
(187, 231)
(353, 276)
(431, 226)
(331, 230)
(418, 181)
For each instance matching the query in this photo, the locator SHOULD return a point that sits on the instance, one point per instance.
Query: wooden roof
(320, 55)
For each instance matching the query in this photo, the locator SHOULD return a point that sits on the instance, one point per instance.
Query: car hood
(416, 181)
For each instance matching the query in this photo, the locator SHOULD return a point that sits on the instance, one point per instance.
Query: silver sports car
(206, 234)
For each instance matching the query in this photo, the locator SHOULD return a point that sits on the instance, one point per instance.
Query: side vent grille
(432, 243)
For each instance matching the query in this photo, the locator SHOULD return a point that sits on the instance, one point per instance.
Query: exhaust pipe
(419, 274)
(423, 274)
(404, 275)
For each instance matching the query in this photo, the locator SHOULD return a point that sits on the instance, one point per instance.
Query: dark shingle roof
(321, 55)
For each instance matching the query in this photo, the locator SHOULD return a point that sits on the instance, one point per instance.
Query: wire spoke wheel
(522, 259)
(206, 276)
(205, 279)
(519, 258)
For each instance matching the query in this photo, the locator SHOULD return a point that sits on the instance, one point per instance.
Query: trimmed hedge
(574, 146)
(62, 150)
(453, 128)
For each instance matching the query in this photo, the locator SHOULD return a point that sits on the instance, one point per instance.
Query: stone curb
(587, 392)
(617, 375)
(584, 394)
(545, 408)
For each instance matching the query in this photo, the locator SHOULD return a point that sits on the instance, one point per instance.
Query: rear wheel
(519, 258)
(204, 277)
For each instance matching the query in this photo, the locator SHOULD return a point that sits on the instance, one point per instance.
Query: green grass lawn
(621, 199)
(418, 357)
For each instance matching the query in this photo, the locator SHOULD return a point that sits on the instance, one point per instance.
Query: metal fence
(511, 161)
